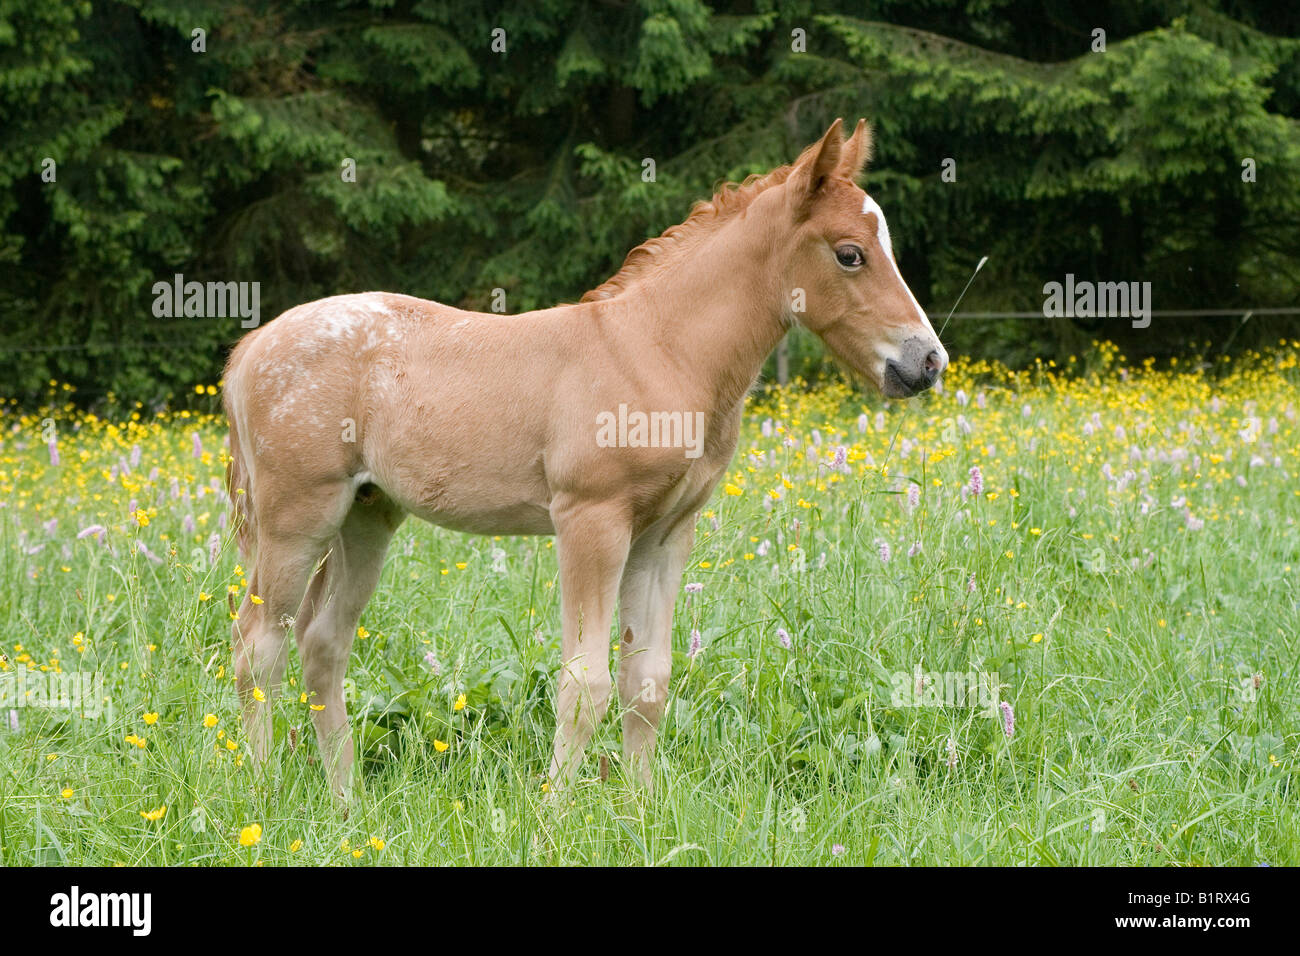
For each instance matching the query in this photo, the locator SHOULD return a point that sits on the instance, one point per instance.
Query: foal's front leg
(592, 543)
(647, 597)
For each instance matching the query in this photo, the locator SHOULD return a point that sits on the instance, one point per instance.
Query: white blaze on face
(882, 236)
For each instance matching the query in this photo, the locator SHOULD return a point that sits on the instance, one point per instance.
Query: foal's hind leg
(329, 614)
(290, 540)
(260, 632)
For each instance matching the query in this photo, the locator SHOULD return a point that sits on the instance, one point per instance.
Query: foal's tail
(238, 486)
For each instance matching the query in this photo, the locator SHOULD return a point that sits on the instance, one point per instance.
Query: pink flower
(885, 553)
(695, 644)
(1008, 719)
(976, 482)
(54, 453)
(783, 636)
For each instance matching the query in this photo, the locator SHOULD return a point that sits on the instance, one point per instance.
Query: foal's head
(854, 296)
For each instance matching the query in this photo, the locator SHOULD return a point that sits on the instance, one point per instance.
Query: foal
(348, 413)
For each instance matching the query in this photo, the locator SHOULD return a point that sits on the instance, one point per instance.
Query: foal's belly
(472, 494)
(516, 519)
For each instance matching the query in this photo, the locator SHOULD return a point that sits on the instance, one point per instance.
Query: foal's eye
(850, 257)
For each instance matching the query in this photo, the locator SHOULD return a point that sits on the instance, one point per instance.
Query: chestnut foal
(348, 413)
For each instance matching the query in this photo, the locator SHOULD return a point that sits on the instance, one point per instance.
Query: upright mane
(705, 217)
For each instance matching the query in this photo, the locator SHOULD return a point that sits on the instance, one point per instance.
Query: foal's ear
(817, 164)
(857, 152)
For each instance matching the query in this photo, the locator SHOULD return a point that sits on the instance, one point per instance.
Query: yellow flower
(137, 741)
(733, 490)
(204, 596)
(66, 793)
(440, 745)
(460, 703)
(153, 816)
(362, 632)
(150, 718)
(251, 835)
(376, 844)
(209, 720)
(255, 599)
(295, 846)
(358, 854)
(258, 695)
(1037, 638)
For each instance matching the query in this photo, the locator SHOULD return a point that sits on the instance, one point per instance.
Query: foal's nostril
(933, 365)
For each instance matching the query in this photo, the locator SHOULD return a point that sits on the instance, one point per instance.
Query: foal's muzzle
(920, 362)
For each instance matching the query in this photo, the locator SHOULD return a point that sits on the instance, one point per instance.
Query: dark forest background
(522, 170)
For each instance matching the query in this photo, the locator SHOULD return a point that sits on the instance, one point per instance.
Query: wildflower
(251, 835)
(914, 550)
(209, 720)
(975, 481)
(432, 661)
(1008, 719)
(952, 753)
(695, 644)
(150, 718)
(885, 552)
(440, 745)
(259, 695)
(694, 587)
(95, 529)
(66, 793)
(783, 636)
(460, 703)
(153, 816)
(295, 846)
(913, 496)
(837, 849)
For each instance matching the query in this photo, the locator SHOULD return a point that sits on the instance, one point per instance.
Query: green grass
(1151, 665)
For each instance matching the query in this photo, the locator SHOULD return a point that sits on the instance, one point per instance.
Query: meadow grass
(1121, 572)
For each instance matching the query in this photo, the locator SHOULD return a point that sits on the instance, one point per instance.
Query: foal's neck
(715, 309)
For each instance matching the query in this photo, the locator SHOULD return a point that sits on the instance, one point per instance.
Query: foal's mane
(705, 217)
